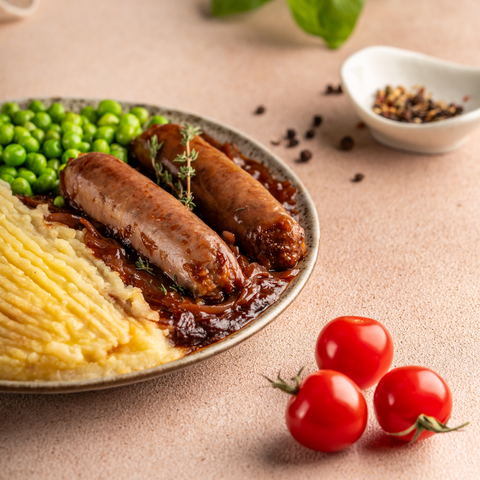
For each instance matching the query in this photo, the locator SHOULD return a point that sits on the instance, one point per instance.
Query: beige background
(402, 246)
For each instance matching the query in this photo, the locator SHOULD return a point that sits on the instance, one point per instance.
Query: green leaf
(227, 7)
(333, 20)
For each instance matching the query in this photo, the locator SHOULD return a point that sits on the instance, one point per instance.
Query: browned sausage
(230, 199)
(153, 222)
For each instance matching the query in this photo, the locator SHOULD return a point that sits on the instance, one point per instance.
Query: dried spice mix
(412, 107)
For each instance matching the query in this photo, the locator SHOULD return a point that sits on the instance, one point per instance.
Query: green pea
(39, 135)
(42, 120)
(105, 133)
(56, 187)
(70, 153)
(157, 120)
(14, 155)
(71, 127)
(7, 131)
(44, 184)
(90, 113)
(52, 148)
(5, 169)
(71, 140)
(72, 117)
(54, 164)
(30, 126)
(7, 178)
(22, 116)
(62, 167)
(37, 106)
(125, 134)
(1, 154)
(56, 112)
(108, 119)
(52, 135)
(55, 128)
(109, 106)
(121, 154)
(28, 175)
(89, 131)
(4, 118)
(101, 145)
(141, 113)
(49, 171)
(20, 186)
(30, 144)
(85, 120)
(59, 201)
(10, 108)
(36, 162)
(85, 147)
(20, 134)
(138, 131)
(130, 119)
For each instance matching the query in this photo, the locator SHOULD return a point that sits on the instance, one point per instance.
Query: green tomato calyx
(426, 423)
(286, 387)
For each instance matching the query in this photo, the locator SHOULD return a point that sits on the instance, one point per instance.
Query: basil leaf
(226, 7)
(333, 20)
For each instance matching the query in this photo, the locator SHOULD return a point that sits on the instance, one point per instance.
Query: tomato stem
(426, 423)
(284, 386)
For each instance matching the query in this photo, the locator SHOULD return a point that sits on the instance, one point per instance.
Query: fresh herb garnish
(177, 288)
(165, 178)
(141, 265)
(240, 209)
(188, 132)
(333, 20)
(163, 289)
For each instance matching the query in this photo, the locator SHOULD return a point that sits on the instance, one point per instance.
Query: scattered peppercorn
(317, 120)
(357, 178)
(360, 125)
(260, 109)
(310, 133)
(402, 106)
(330, 90)
(305, 156)
(292, 142)
(291, 133)
(346, 143)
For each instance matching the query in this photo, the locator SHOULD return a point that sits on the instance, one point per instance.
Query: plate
(308, 219)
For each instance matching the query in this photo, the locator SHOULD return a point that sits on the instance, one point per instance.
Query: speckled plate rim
(308, 219)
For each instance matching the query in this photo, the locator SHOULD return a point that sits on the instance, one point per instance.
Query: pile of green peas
(36, 143)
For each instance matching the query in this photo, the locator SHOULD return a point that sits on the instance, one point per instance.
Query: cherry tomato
(414, 402)
(361, 348)
(327, 412)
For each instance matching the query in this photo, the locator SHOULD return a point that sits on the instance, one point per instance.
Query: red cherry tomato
(359, 347)
(407, 393)
(328, 412)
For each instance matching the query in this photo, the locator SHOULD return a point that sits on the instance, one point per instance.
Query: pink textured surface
(402, 246)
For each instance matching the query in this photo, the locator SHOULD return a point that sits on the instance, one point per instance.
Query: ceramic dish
(375, 67)
(308, 220)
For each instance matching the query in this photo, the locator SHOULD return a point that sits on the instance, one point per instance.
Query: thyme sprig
(165, 178)
(188, 133)
(141, 265)
(178, 288)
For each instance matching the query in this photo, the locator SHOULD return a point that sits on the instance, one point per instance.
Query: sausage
(153, 222)
(230, 199)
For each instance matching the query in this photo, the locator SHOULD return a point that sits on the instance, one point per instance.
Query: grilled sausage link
(230, 199)
(153, 222)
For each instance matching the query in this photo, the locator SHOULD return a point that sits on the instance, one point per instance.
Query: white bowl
(375, 67)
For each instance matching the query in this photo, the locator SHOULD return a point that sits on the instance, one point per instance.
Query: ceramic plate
(308, 219)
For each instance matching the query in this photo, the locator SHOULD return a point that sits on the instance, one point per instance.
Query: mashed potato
(65, 315)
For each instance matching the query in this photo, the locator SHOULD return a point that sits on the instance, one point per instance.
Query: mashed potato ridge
(64, 315)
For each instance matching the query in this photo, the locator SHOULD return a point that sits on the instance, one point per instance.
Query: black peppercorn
(346, 143)
(260, 109)
(317, 120)
(305, 156)
(310, 133)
